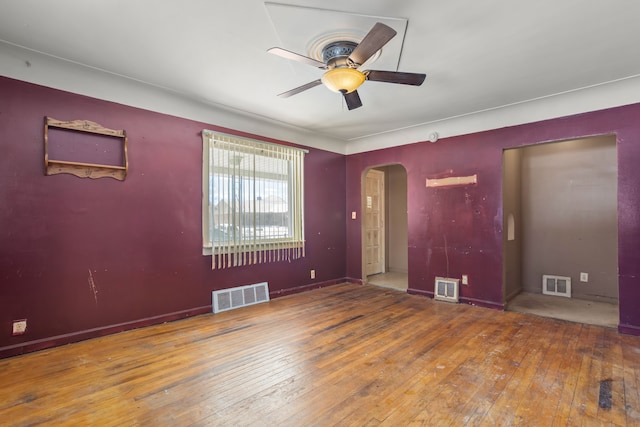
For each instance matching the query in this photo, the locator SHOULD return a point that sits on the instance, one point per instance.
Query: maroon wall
(138, 241)
(458, 230)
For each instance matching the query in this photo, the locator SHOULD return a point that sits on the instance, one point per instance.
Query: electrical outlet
(584, 277)
(313, 274)
(19, 327)
(465, 279)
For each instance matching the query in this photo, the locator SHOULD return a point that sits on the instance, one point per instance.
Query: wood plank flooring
(345, 355)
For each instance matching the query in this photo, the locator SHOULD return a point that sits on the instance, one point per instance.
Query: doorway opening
(560, 241)
(384, 227)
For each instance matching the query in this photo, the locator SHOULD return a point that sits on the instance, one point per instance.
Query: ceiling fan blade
(353, 100)
(297, 57)
(379, 35)
(414, 79)
(300, 89)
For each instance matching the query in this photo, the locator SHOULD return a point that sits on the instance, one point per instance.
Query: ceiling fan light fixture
(344, 80)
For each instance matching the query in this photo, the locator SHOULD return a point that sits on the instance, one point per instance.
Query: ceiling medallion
(317, 46)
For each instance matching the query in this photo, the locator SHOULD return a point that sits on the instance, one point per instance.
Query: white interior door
(374, 222)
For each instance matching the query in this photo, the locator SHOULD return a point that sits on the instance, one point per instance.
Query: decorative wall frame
(82, 169)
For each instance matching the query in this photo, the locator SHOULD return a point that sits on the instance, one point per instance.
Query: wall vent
(228, 299)
(446, 289)
(556, 285)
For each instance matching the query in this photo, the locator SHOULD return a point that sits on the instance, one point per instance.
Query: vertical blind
(253, 201)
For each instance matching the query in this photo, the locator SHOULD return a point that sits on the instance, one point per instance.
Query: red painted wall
(455, 231)
(139, 241)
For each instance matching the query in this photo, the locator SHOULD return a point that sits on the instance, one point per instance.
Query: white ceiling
(478, 55)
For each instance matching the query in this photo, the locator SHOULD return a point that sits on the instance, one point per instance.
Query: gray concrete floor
(391, 280)
(571, 309)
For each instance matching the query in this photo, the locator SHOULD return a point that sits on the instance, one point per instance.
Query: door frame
(388, 228)
(517, 228)
(382, 229)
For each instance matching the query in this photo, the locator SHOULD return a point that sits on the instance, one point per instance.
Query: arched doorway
(384, 227)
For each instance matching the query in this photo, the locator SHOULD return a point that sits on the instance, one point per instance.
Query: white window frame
(251, 246)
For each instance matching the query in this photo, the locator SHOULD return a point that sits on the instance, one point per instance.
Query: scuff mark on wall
(92, 286)
(446, 252)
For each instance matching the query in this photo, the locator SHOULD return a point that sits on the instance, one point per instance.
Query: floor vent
(228, 299)
(446, 289)
(556, 285)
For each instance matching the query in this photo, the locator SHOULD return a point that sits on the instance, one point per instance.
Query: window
(253, 201)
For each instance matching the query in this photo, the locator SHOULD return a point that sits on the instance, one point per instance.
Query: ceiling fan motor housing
(342, 58)
(336, 54)
(342, 75)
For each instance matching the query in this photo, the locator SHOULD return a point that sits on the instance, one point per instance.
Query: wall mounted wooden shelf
(82, 169)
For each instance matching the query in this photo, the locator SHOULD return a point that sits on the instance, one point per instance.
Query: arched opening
(384, 227)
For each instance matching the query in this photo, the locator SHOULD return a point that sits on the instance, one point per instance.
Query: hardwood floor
(345, 355)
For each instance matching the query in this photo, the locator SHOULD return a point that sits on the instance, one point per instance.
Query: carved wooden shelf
(81, 169)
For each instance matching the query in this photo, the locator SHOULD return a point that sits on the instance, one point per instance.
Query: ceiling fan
(342, 60)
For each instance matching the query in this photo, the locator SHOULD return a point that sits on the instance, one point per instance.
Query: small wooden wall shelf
(81, 169)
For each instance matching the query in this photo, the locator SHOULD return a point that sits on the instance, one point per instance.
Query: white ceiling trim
(598, 97)
(34, 67)
(494, 59)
